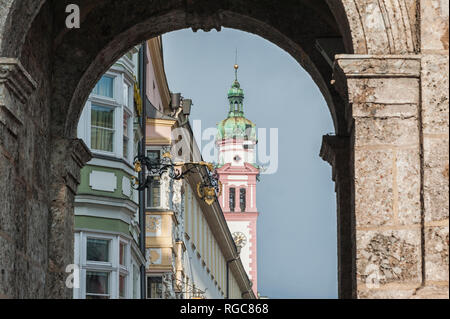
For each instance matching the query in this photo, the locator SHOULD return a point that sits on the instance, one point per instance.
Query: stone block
(436, 253)
(375, 110)
(408, 186)
(394, 293)
(386, 131)
(388, 257)
(383, 90)
(435, 96)
(374, 193)
(436, 179)
(434, 24)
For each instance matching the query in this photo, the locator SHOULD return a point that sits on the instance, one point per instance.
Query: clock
(239, 239)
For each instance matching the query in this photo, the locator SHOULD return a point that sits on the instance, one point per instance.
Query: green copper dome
(236, 125)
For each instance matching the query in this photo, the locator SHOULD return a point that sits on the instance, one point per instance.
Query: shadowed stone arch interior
(389, 155)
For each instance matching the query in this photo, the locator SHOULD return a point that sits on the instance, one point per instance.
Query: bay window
(106, 123)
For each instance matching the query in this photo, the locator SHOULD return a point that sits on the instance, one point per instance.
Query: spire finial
(236, 66)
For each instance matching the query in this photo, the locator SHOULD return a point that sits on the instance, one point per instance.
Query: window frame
(242, 193)
(232, 195)
(114, 129)
(114, 88)
(149, 286)
(149, 189)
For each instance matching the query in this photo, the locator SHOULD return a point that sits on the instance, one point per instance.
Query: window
(107, 265)
(105, 87)
(242, 199)
(154, 194)
(122, 286)
(154, 155)
(97, 250)
(154, 288)
(122, 247)
(126, 95)
(232, 198)
(126, 138)
(102, 128)
(97, 285)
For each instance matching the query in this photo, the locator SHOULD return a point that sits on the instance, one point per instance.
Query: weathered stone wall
(24, 122)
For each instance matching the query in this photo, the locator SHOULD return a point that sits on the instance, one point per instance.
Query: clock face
(240, 239)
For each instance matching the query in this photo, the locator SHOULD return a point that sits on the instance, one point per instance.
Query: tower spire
(236, 66)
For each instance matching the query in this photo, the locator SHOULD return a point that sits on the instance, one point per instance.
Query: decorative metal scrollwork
(207, 189)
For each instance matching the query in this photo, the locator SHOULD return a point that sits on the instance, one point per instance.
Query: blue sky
(297, 255)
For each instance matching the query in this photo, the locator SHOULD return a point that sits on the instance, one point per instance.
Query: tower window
(232, 198)
(242, 199)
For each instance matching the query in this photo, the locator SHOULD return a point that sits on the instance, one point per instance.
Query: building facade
(106, 248)
(238, 172)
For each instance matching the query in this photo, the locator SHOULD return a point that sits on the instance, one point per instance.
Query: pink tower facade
(236, 142)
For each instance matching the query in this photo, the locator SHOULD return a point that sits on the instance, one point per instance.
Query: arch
(67, 63)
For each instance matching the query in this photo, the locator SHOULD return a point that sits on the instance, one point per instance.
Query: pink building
(238, 172)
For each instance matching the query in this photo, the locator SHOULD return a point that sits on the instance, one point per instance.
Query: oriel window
(232, 198)
(242, 199)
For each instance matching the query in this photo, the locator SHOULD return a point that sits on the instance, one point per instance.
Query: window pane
(126, 95)
(97, 250)
(125, 147)
(154, 287)
(102, 116)
(102, 128)
(232, 198)
(126, 120)
(122, 286)
(97, 283)
(105, 87)
(153, 194)
(242, 199)
(153, 156)
(122, 247)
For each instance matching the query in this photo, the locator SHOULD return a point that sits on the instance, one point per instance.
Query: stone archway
(389, 158)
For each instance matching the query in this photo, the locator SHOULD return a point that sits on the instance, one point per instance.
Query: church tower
(236, 142)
